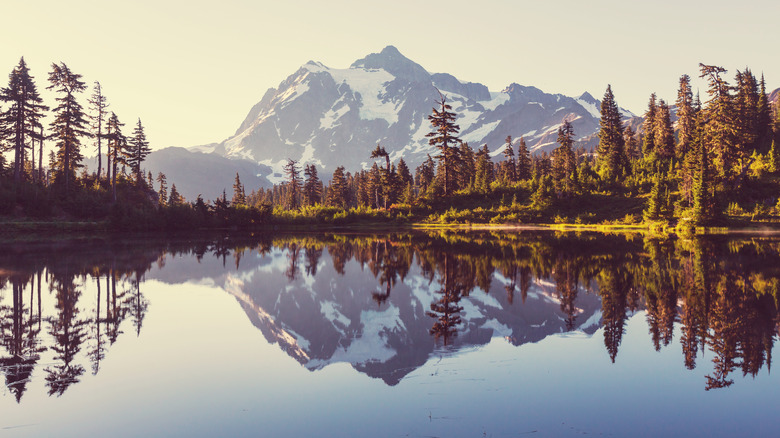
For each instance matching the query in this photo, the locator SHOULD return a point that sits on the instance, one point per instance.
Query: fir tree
(523, 161)
(138, 151)
(719, 130)
(611, 149)
(239, 194)
(773, 158)
(21, 122)
(564, 162)
(293, 184)
(686, 118)
(509, 174)
(648, 127)
(162, 193)
(117, 143)
(98, 105)
(176, 198)
(444, 137)
(663, 132)
(69, 123)
(338, 190)
(702, 202)
(312, 187)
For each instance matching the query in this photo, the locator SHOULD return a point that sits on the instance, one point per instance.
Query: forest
(685, 164)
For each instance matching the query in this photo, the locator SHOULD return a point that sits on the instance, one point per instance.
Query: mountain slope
(333, 117)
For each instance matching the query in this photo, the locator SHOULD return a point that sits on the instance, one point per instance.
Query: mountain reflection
(385, 303)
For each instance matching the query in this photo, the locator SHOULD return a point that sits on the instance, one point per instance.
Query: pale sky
(191, 70)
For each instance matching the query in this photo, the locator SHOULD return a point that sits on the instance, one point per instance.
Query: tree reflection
(721, 294)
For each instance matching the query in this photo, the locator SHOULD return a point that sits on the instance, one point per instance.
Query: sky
(191, 70)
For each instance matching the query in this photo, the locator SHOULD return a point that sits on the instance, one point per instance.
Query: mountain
(333, 117)
(321, 316)
(197, 173)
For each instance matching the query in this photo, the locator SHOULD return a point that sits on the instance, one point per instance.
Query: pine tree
(719, 130)
(404, 173)
(483, 170)
(632, 146)
(175, 198)
(338, 190)
(21, 122)
(312, 187)
(138, 151)
(509, 170)
(444, 137)
(764, 116)
(293, 185)
(663, 132)
(98, 105)
(69, 124)
(648, 127)
(655, 202)
(117, 143)
(774, 158)
(564, 162)
(611, 148)
(686, 118)
(523, 161)
(239, 195)
(162, 193)
(702, 202)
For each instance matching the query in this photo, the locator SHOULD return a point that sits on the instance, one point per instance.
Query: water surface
(405, 334)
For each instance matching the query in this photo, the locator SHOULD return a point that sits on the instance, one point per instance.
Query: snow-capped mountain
(331, 117)
(320, 316)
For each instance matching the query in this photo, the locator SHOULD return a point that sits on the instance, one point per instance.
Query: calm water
(446, 334)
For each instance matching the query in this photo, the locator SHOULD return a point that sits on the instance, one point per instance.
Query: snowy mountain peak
(392, 61)
(334, 116)
(588, 98)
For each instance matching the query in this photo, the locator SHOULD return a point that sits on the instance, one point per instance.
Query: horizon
(168, 73)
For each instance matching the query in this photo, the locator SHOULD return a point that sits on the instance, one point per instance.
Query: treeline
(717, 159)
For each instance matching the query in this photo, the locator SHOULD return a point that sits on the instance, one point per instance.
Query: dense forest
(687, 164)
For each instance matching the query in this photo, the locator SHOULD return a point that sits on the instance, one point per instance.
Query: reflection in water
(385, 303)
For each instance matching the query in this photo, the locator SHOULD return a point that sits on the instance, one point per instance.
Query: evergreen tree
(719, 131)
(20, 123)
(774, 158)
(523, 161)
(564, 163)
(686, 118)
(632, 146)
(663, 132)
(483, 170)
(138, 151)
(655, 202)
(764, 116)
(611, 149)
(312, 187)
(98, 105)
(702, 201)
(239, 194)
(293, 185)
(509, 174)
(444, 137)
(465, 167)
(648, 127)
(338, 190)
(117, 143)
(176, 198)
(403, 173)
(163, 191)
(69, 123)
(424, 175)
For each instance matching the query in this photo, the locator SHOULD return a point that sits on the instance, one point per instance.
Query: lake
(423, 334)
